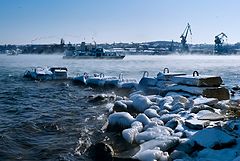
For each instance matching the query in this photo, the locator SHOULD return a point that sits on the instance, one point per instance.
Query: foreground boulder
(213, 138)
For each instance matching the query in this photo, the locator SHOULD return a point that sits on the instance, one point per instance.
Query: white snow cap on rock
(151, 113)
(152, 155)
(122, 119)
(140, 102)
(152, 133)
(129, 134)
(143, 119)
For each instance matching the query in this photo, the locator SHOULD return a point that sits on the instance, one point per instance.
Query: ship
(90, 52)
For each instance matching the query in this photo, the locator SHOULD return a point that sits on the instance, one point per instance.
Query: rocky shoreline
(174, 125)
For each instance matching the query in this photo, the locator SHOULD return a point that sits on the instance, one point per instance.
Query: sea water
(53, 120)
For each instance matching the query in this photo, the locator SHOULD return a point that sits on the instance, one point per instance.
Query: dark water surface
(54, 121)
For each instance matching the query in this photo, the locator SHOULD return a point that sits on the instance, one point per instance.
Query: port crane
(219, 40)
(184, 38)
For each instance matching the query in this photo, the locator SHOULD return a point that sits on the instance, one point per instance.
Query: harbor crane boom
(184, 38)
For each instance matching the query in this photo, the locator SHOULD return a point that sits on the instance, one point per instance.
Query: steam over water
(54, 121)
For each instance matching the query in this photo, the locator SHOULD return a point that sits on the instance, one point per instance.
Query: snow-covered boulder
(137, 125)
(120, 120)
(151, 113)
(152, 133)
(143, 119)
(196, 124)
(129, 134)
(152, 155)
(163, 142)
(209, 115)
(213, 137)
(140, 102)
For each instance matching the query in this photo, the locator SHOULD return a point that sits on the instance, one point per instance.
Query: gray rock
(213, 138)
(196, 124)
(178, 155)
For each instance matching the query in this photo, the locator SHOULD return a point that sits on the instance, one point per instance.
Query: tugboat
(53, 73)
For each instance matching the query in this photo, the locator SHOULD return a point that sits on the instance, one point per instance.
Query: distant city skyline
(109, 21)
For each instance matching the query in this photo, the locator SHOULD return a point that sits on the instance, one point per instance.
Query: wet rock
(196, 124)
(101, 152)
(213, 138)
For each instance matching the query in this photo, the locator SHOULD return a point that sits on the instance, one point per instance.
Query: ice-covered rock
(179, 99)
(152, 133)
(167, 117)
(209, 115)
(165, 100)
(212, 138)
(137, 125)
(163, 142)
(157, 120)
(140, 102)
(155, 107)
(196, 124)
(178, 106)
(120, 120)
(143, 119)
(129, 134)
(152, 155)
(151, 113)
(207, 101)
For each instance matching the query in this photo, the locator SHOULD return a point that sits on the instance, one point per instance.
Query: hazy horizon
(107, 21)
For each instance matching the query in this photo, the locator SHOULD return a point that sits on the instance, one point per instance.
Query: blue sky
(46, 21)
